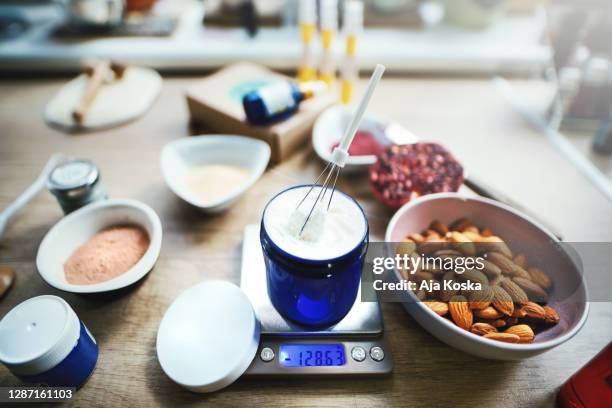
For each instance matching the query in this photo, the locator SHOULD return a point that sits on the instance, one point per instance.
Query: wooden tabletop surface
(467, 115)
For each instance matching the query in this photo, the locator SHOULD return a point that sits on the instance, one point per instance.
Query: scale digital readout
(311, 355)
(354, 346)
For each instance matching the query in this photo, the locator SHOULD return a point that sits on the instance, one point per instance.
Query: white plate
(117, 102)
(76, 228)
(178, 156)
(331, 124)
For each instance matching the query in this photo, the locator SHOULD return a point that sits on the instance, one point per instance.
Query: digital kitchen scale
(354, 346)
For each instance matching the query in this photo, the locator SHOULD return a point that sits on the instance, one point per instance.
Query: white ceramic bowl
(331, 124)
(76, 228)
(178, 156)
(510, 224)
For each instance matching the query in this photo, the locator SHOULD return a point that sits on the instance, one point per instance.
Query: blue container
(313, 292)
(42, 341)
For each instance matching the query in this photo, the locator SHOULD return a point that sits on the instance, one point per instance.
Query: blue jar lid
(38, 334)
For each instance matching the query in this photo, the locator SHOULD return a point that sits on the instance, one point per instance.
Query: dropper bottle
(307, 18)
(279, 100)
(329, 27)
(352, 27)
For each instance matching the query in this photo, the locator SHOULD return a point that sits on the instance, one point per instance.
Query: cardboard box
(216, 102)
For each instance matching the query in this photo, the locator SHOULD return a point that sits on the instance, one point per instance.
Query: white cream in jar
(330, 233)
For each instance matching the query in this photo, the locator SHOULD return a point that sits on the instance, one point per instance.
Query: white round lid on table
(208, 337)
(38, 334)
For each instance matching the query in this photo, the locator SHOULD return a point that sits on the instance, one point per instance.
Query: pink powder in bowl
(108, 254)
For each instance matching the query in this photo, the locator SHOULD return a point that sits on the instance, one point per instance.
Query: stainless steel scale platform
(360, 334)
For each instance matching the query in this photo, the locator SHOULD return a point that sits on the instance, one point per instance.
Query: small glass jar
(313, 292)
(76, 183)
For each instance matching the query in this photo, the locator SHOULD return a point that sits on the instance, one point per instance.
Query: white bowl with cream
(211, 172)
(76, 228)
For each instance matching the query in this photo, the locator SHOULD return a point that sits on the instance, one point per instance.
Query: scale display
(312, 355)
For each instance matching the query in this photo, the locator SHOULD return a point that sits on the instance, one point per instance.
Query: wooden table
(466, 114)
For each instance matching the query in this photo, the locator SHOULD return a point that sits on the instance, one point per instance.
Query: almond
(461, 224)
(502, 301)
(550, 315)
(490, 269)
(446, 253)
(498, 323)
(480, 299)
(482, 328)
(408, 273)
(429, 246)
(460, 312)
(496, 280)
(540, 277)
(523, 331)
(447, 294)
(486, 232)
(517, 294)
(506, 265)
(405, 247)
(532, 289)
(520, 260)
(439, 308)
(432, 234)
(520, 272)
(439, 227)
(472, 229)
(418, 238)
(495, 244)
(421, 295)
(423, 275)
(503, 263)
(519, 313)
(488, 313)
(505, 337)
(534, 311)
(474, 276)
(472, 235)
(462, 243)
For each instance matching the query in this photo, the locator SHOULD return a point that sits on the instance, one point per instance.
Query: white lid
(208, 336)
(38, 334)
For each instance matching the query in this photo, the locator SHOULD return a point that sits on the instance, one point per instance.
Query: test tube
(353, 25)
(329, 26)
(307, 18)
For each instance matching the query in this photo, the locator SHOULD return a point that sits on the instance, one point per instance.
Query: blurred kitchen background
(565, 42)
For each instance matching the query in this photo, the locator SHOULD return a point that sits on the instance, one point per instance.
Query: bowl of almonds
(490, 281)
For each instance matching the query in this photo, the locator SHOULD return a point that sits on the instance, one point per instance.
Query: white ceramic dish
(331, 124)
(510, 224)
(76, 228)
(178, 156)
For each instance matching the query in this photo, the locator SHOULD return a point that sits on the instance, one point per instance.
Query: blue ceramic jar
(313, 292)
(42, 341)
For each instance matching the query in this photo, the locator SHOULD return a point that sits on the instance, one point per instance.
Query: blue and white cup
(42, 341)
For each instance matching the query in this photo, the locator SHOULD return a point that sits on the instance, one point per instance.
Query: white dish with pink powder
(75, 229)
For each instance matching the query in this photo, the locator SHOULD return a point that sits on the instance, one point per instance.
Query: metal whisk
(340, 153)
